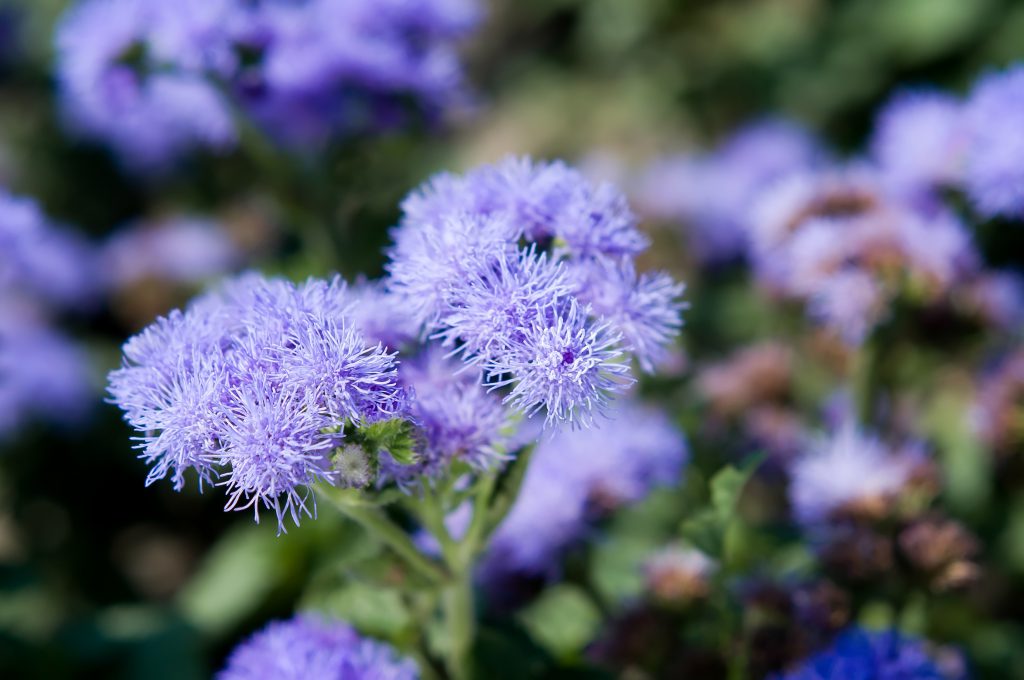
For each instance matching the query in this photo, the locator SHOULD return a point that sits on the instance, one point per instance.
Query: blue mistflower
(39, 258)
(503, 264)
(251, 387)
(134, 73)
(568, 366)
(995, 159)
(307, 647)
(864, 655)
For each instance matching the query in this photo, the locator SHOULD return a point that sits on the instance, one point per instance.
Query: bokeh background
(102, 577)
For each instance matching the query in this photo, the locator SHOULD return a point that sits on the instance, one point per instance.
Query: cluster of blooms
(555, 319)
(858, 654)
(927, 139)
(252, 386)
(711, 192)
(40, 259)
(42, 373)
(306, 647)
(578, 475)
(175, 250)
(156, 79)
(844, 242)
(852, 475)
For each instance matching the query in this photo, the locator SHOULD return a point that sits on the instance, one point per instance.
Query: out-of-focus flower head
(43, 375)
(998, 413)
(134, 74)
(379, 315)
(995, 169)
(554, 320)
(576, 474)
(323, 68)
(888, 655)
(844, 242)
(920, 140)
(943, 550)
(996, 298)
(252, 387)
(711, 193)
(850, 474)
(677, 575)
(307, 646)
(42, 260)
(176, 250)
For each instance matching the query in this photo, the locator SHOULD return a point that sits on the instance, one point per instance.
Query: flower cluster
(554, 320)
(177, 250)
(998, 414)
(858, 654)
(710, 193)
(306, 647)
(41, 259)
(42, 373)
(155, 79)
(252, 387)
(851, 474)
(577, 475)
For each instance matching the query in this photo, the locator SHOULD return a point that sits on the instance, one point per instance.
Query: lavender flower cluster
(252, 387)
(156, 80)
(307, 647)
(526, 270)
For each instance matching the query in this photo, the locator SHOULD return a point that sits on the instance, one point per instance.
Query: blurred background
(103, 577)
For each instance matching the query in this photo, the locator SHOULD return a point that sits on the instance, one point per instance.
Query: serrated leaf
(396, 436)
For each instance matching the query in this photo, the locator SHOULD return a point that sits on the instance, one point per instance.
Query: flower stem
(377, 524)
(460, 615)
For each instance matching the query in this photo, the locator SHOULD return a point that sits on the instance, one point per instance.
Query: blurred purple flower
(995, 159)
(920, 140)
(576, 473)
(133, 73)
(180, 250)
(306, 647)
(43, 375)
(712, 193)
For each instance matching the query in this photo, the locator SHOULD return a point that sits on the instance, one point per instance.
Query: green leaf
(396, 436)
(234, 579)
(376, 611)
(712, 530)
(562, 621)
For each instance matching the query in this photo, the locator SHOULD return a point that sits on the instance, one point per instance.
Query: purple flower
(565, 365)
(535, 318)
(849, 472)
(181, 250)
(995, 156)
(329, 67)
(40, 258)
(43, 375)
(456, 416)
(306, 647)
(858, 654)
(712, 193)
(645, 309)
(380, 315)
(252, 387)
(920, 139)
(134, 73)
(576, 473)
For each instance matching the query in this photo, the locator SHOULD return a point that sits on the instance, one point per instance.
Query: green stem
(460, 615)
(506, 497)
(864, 381)
(377, 524)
